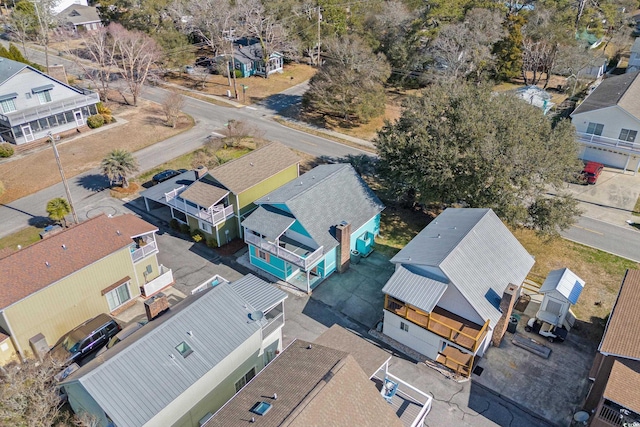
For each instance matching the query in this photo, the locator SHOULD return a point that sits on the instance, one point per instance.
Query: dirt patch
(258, 88)
(38, 170)
(230, 248)
(122, 193)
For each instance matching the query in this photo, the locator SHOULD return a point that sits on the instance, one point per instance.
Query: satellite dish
(256, 315)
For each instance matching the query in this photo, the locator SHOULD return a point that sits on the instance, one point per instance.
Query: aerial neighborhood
(371, 213)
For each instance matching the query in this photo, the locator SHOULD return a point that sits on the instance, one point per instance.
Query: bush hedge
(95, 121)
(6, 150)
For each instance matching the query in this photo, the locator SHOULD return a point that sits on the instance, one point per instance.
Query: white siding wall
(453, 301)
(613, 118)
(416, 338)
(26, 80)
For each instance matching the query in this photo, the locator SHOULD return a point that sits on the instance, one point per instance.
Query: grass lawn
(602, 272)
(24, 238)
(37, 170)
(636, 208)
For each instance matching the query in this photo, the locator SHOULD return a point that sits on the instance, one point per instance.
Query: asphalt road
(623, 241)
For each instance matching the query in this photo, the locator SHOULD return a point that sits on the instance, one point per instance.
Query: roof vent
(190, 333)
(64, 247)
(118, 233)
(309, 347)
(253, 420)
(275, 396)
(438, 235)
(47, 264)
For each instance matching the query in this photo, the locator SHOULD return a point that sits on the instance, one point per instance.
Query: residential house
(614, 397)
(249, 59)
(98, 266)
(80, 18)
(306, 229)
(454, 287)
(214, 202)
(311, 384)
(607, 123)
(63, 4)
(187, 363)
(34, 105)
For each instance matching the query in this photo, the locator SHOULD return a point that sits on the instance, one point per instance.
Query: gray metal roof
(414, 288)
(79, 14)
(269, 221)
(566, 282)
(140, 378)
(156, 193)
(475, 250)
(9, 68)
(611, 92)
(259, 296)
(324, 197)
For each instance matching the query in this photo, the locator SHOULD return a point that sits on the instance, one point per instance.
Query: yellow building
(99, 266)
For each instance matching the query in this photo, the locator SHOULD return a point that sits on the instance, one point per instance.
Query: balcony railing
(304, 261)
(162, 281)
(615, 417)
(447, 325)
(214, 215)
(143, 251)
(410, 404)
(49, 109)
(274, 324)
(607, 142)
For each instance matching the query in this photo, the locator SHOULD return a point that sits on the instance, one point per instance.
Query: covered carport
(154, 197)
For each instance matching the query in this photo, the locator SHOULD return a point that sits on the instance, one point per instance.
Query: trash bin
(355, 257)
(513, 323)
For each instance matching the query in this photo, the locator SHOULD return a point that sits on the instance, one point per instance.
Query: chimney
(201, 171)
(343, 235)
(506, 306)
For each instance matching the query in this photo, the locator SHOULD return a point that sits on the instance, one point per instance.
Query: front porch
(213, 215)
(287, 250)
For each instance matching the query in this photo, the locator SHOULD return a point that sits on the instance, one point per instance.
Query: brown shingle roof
(621, 334)
(622, 386)
(315, 386)
(370, 357)
(204, 194)
(25, 272)
(251, 169)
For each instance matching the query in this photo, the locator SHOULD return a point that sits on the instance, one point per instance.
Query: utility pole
(44, 29)
(319, 19)
(64, 180)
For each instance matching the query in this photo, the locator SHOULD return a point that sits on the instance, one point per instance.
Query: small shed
(535, 96)
(561, 290)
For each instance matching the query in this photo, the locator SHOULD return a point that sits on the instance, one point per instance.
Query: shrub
(174, 224)
(6, 150)
(211, 243)
(197, 236)
(95, 121)
(105, 112)
(184, 228)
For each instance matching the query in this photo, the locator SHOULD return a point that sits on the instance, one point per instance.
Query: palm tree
(117, 165)
(58, 209)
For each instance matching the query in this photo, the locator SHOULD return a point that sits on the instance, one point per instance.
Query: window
(8, 105)
(204, 226)
(184, 349)
(149, 269)
(628, 135)
(404, 326)
(118, 296)
(245, 379)
(595, 128)
(44, 96)
(262, 255)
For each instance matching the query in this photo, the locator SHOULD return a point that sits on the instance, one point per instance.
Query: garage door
(609, 158)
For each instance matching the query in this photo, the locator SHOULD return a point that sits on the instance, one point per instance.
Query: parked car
(124, 333)
(164, 175)
(84, 340)
(591, 172)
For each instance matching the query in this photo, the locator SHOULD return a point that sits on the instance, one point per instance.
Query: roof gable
(251, 169)
(476, 251)
(623, 327)
(213, 323)
(9, 68)
(35, 267)
(565, 282)
(324, 197)
(622, 90)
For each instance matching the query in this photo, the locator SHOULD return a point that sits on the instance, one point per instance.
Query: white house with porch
(607, 123)
(454, 287)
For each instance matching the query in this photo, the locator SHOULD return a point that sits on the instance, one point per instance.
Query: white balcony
(49, 109)
(274, 323)
(144, 251)
(601, 141)
(298, 254)
(162, 281)
(214, 215)
(410, 404)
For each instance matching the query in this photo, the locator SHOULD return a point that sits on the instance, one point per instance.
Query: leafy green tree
(58, 209)
(349, 86)
(508, 51)
(117, 165)
(464, 145)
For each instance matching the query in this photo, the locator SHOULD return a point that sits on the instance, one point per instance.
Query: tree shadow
(93, 182)
(280, 101)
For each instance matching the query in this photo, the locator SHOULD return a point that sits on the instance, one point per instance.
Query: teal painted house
(306, 229)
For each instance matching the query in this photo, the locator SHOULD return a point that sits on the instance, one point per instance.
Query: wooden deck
(456, 360)
(454, 328)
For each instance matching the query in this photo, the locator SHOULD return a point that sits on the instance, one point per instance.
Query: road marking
(250, 108)
(588, 229)
(217, 134)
